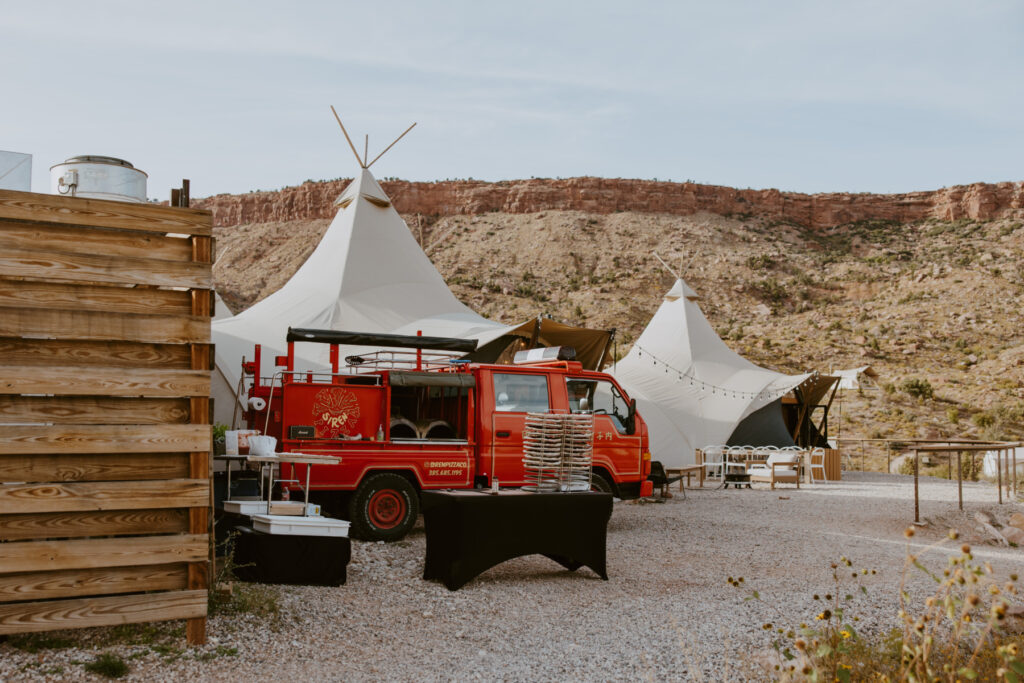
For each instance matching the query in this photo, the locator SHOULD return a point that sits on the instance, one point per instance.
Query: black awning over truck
(405, 378)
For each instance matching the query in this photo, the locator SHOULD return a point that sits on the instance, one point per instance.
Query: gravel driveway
(667, 611)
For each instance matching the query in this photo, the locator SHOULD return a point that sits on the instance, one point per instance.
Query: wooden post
(917, 502)
(888, 458)
(199, 462)
(999, 473)
(1015, 476)
(959, 482)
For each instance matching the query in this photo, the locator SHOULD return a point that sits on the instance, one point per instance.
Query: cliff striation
(313, 200)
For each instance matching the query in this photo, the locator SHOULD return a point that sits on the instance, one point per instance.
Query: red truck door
(617, 451)
(514, 394)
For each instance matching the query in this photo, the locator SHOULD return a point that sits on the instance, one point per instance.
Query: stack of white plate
(558, 451)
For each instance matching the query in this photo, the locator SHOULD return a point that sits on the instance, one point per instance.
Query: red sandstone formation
(980, 201)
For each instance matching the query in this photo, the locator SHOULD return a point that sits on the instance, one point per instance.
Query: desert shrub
(957, 633)
(889, 388)
(983, 420)
(953, 415)
(918, 388)
(760, 262)
(769, 290)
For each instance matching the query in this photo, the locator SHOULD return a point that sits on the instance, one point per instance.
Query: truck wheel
(384, 508)
(599, 483)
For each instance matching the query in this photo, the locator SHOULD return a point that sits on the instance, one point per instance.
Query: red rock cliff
(980, 201)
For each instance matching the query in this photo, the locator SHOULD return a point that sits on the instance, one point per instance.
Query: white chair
(817, 458)
(714, 460)
(736, 458)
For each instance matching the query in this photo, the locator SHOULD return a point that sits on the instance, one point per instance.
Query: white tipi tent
(367, 274)
(692, 389)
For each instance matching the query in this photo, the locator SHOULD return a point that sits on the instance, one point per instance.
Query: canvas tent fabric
(852, 378)
(691, 388)
(367, 274)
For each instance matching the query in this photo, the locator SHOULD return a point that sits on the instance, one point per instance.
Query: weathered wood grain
(85, 240)
(30, 206)
(95, 467)
(103, 581)
(106, 298)
(92, 553)
(96, 268)
(104, 382)
(89, 410)
(51, 352)
(52, 615)
(83, 496)
(55, 439)
(85, 325)
(22, 527)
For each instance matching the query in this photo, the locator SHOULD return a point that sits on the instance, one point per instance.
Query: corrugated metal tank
(98, 177)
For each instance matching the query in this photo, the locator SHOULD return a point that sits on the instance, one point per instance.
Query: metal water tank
(98, 177)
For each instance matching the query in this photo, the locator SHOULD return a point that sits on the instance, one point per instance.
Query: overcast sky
(809, 96)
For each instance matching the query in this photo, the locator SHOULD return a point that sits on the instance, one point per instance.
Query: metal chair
(714, 459)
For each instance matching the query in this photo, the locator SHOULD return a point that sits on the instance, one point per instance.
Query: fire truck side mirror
(631, 417)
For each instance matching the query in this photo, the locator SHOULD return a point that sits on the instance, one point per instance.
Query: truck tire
(384, 508)
(599, 483)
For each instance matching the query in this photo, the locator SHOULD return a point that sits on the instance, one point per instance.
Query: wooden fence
(104, 413)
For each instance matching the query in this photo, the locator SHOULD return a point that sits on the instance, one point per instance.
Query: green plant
(107, 665)
(918, 388)
(953, 415)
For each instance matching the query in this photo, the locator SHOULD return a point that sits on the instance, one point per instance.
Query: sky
(807, 96)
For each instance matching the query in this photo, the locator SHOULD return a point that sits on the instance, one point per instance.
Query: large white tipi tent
(367, 274)
(691, 388)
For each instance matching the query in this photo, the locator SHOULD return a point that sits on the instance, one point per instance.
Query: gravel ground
(667, 611)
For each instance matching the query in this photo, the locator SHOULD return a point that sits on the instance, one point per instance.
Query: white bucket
(262, 445)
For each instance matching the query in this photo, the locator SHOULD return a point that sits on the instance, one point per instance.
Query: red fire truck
(406, 421)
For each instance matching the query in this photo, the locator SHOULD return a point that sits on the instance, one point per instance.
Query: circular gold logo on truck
(335, 413)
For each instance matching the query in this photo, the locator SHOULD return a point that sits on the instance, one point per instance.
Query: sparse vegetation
(918, 388)
(108, 665)
(956, 634)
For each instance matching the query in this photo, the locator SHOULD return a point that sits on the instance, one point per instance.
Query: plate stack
(557, 451)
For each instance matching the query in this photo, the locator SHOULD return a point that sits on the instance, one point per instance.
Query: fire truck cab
(405, 422)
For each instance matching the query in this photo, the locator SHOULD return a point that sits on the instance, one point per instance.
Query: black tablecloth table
(469, 532)
(301, 560)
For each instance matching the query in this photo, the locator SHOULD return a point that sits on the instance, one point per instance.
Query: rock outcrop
(312, 200)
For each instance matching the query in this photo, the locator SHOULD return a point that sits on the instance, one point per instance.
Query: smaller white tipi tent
(692, 389)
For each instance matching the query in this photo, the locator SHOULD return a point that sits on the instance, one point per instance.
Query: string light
(761, 395)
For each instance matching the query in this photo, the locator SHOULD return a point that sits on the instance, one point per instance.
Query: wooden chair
(817, 458)
(780, 468)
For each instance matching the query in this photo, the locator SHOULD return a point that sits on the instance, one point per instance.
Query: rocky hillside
(312, 200)
(926, 287)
